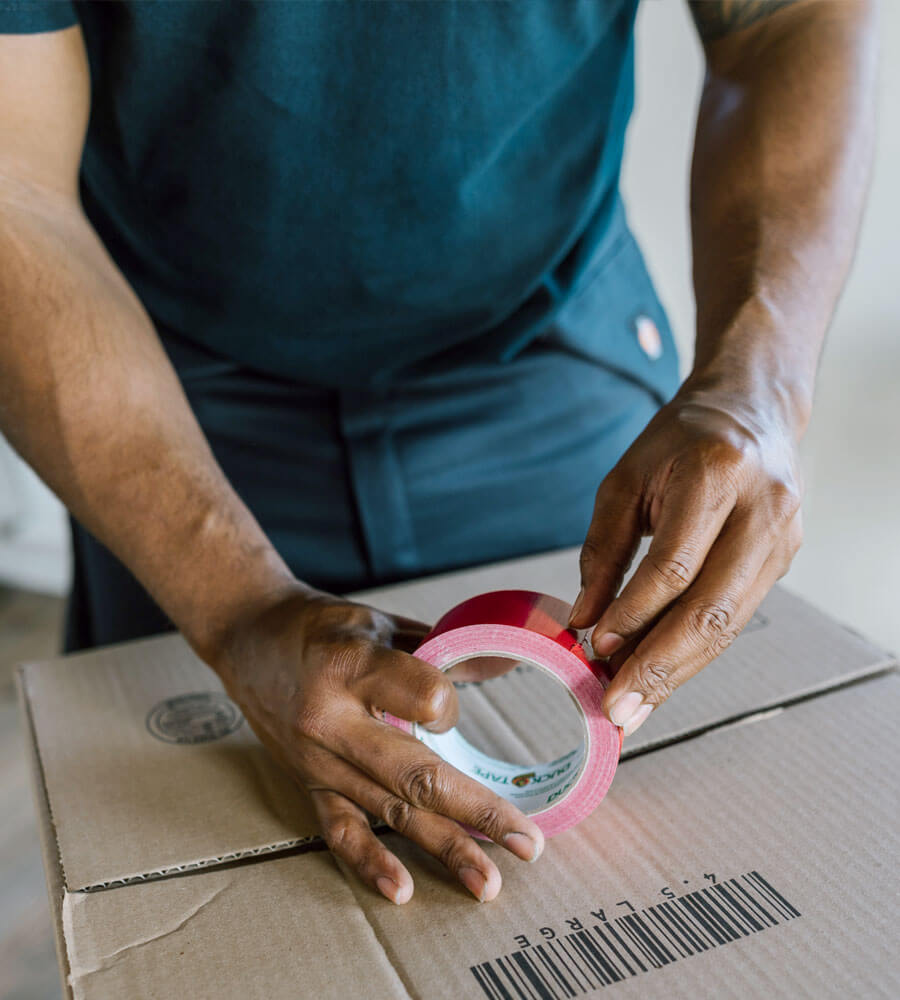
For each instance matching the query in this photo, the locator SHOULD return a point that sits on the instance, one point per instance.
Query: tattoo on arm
(717, 18)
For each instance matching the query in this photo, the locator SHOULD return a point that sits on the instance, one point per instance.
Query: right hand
(311, 673)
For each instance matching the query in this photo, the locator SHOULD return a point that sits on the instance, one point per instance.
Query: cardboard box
(744, 848)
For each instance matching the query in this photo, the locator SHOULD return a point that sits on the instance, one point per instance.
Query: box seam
(353, 886)
(760, 712)
(315, 842)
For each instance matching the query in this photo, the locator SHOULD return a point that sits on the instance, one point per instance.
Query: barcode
(615, 950)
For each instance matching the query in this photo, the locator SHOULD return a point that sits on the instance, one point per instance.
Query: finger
(440, 837)
(409, 689)
(615, 662)
(365, 621)
(692, 513)
(418, 776)
(699, 626)
(612, 540)
(349, 837)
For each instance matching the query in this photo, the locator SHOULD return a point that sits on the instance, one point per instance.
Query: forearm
(90, 400)
(781, 160)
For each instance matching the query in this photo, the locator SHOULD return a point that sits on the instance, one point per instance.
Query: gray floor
(29, 629)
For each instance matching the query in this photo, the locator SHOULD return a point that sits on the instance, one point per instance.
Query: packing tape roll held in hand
(528, 627)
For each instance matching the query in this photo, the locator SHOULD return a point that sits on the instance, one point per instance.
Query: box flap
(799, 807)
(258, 931)
(150, 769)
(756, 859)
(142, 735)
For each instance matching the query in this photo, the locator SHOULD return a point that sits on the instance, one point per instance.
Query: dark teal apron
(384, 246)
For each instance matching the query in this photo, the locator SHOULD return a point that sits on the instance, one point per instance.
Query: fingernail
(621, 711)
(639, 716)
(576, 607)
(607, 644)
(523, 846)
(388, 887)
(474, 881)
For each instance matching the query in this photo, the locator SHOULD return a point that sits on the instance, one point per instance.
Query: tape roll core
(530, 628)
(531, 786)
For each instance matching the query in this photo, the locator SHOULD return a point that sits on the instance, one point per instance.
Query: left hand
(714, 479)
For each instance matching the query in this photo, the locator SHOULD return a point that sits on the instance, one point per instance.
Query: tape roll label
(531, 787)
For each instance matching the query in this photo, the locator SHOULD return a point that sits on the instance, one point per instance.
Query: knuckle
(654, 678)
(310, 721)
(671, 573)
(784, 498)
(720, 469)
(725, 455)
(711, 619)
(397, 813)
(335, 618)
(338, 658)
(450, 851)
(434, 695)
(714, 624)
(627, 618)
(356, 616)
(590, 551)
(338, 834)
(720, 643)
(487, 818)
(421, 784)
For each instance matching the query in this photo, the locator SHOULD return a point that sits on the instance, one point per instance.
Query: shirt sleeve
(24, 17)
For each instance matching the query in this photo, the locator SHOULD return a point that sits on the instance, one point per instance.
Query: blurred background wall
(850, 563)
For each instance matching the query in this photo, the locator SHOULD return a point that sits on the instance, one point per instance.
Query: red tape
(523, 625)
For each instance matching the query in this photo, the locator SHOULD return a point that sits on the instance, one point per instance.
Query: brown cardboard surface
(278, 929)
(805, 796)
(168, 806)
(165, 806)
(808, 797)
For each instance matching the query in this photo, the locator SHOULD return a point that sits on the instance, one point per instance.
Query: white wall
(851, 561)
(34, 550)
(669, 73)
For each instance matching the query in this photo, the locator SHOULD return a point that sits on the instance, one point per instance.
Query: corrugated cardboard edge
(293, 845)
(56, 887)
(278, 849)
(886, 665)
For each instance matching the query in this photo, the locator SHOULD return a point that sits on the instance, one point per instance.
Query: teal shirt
(345, 192)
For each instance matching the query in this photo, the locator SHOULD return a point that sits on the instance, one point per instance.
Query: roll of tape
(530, 628)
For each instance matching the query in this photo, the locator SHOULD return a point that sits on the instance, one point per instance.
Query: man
(298, 298)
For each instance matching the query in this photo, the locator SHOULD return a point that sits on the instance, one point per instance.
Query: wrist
(226, 618)
(756, 364)
(235, 576)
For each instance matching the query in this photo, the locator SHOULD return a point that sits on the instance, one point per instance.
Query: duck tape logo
(202, 717)
(521, 780)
